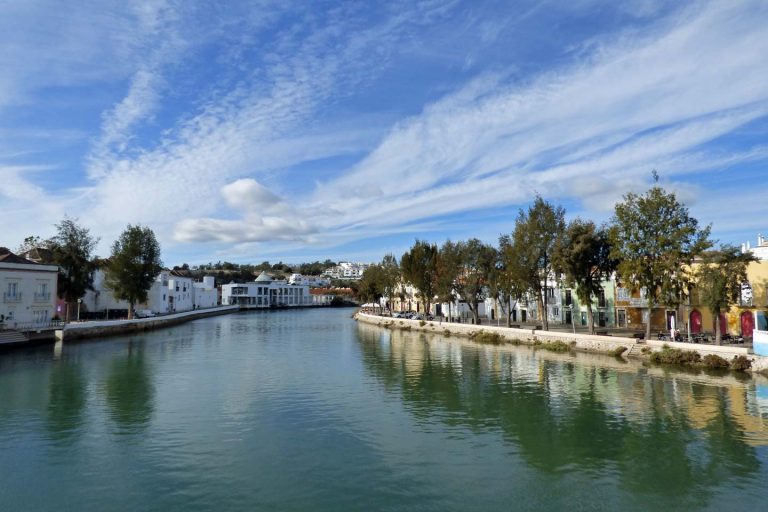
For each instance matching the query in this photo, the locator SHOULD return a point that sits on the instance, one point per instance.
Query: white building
(101, 299)
(266, 292)
(760, 251)
(205, 294)
(347, 270)
(312, 281)
(28, 291)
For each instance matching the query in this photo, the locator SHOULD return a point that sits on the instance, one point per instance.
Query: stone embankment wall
(82, 330)
(580, 342)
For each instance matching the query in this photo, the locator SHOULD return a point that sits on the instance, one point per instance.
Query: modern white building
(101, 300)
(760, 251)
(266, 292)
(28, 292)
(312, 281)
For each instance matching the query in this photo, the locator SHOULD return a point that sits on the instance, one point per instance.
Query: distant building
(205, 293)
(311, 281)
(347, 270)
(28, 291)
(760, 251)
(266, 292)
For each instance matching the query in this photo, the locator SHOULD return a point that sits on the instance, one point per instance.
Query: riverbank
(82, 330)
(609, 345)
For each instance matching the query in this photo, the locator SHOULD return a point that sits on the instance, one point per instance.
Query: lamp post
(79, 301)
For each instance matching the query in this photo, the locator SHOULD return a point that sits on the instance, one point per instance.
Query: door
(568, 319)
(621, 317)
(747, 324)
(695, 321)
(671, 320)
(523, 315)
(723, 324)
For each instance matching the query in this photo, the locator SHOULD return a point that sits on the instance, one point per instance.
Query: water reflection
(129, 390)
(659, 433)
(66, 400)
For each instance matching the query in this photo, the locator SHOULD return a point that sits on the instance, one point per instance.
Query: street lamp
(79, 301)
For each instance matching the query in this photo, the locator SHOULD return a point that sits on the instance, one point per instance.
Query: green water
(308, 410)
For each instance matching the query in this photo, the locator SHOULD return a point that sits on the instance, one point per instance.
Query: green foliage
(741, 363)
(532, 249)
(134, 264)
(655, 241)
(583, 256)
(31, 242)
(448, 267)
(372, 284)
(72, 250)
(422, 323)
(476, 263)
(447, 333)
(419, 267)
(719, 279)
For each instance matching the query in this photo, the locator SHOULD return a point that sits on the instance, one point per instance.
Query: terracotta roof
(7, 256)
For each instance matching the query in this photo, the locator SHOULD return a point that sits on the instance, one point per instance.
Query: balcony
(12, 297)
(42, 297)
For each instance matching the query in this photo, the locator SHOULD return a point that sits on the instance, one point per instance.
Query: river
(308, 410)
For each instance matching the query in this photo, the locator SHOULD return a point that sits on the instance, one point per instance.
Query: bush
(741, 363)
(676, 356)
(447, 333)
(422, 323)
(715, 361)
(618, 351)
(645, 350)
(493, 338)
(556, 346)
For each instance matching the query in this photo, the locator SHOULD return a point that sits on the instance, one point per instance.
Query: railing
(32, 326)
(42, 297)
(12, 297)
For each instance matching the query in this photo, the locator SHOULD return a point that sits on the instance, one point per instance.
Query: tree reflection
(561, 414)
(66, 403)
(129, 390)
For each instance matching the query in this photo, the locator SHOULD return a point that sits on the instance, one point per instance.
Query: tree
(390, 278)
(536, 231)
(448, 268)
(419, 268)
(371, 284)
(476, 261)
(655, 241)
(31, 242)
(134, 265)
(719, 278)
(510, 281)
(583, 256)
(72, 250)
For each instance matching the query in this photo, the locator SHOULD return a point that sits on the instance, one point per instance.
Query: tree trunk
(130, 311)
(66, 311)
(450, 316)
(648, 327)
(475, 315)
(545, 316)
(590, 318)
(540, 300)
(718, 335)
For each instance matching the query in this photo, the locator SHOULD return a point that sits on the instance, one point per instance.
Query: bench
(638, 335)
(602, 333)
(514, 326)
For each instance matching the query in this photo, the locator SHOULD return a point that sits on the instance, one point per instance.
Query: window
(601, 299)
(623, 294)
(556, 312)
(583, 318)
(550, 293)
(568, 297)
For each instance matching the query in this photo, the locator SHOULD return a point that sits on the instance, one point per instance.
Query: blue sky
(345, 130)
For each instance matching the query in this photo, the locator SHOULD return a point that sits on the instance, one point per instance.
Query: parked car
(144, 313)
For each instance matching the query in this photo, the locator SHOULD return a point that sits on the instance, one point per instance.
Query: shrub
(618, 351)
(447, 333)
(676, 356)
(493, 338)
(741, 363)
(556, 346)
(645, 350)
(422, 323)
(715, 361)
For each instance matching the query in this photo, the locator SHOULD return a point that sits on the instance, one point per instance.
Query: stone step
(8, 337)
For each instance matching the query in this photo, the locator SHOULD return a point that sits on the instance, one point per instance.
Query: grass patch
(676, 356)
(645, 350)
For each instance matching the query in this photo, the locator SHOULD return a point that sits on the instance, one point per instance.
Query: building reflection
(66, 400)
(661, 432)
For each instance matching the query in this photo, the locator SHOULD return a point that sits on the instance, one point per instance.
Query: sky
(297, 131)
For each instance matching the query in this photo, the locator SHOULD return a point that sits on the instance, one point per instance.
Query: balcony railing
(42, 297)
(12, 297)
